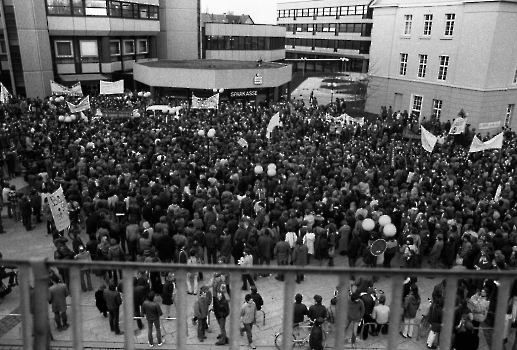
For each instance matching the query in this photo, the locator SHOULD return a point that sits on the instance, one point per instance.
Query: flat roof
(210, 64)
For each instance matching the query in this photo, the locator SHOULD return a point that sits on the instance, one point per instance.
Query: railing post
(41, 322)
(503, 293)
(26, 311)
(235, 310)
(289, 279)
(395, 312)
(451, 285)
(76, 297)
(181, 306)
(129, 303)
(342, 310)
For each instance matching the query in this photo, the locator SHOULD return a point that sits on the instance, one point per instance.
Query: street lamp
(210, 135)
(334, 85)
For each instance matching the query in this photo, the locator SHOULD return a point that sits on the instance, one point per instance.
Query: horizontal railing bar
(270, 268)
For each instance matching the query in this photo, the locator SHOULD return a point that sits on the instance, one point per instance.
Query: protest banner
(59, 209)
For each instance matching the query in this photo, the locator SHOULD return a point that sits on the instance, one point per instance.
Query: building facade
(89, 40)
(323, 29)
(229, 37)
(440, 56)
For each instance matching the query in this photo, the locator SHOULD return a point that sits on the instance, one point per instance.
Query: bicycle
(5, 290)
(301, 334)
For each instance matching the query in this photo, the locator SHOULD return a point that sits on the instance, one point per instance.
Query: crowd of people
(161, 188)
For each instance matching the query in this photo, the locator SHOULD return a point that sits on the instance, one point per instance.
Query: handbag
(332, 252)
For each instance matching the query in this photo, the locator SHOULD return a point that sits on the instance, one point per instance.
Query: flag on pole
(59, 209)
(83, 117)
(495, 142)
(4, 94)
(428, 139)
(458, 126)
(273, 122)
(242, 142)
(83, 105)
(498, 193)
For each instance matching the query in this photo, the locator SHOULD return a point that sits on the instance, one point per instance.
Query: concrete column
(31, 22)
(179, 29)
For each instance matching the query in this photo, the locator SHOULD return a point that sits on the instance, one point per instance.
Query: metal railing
(40, 271)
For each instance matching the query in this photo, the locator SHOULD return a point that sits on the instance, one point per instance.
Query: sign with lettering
(243, 93)
(489, 125)
(257, 79)
(59, 209)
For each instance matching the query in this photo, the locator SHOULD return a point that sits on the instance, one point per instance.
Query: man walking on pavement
(113, 301)
(152, 312)
(57, 298)
(248, 317)
(282, 250)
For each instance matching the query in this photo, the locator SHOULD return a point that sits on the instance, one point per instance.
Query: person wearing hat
(317, 310)
(316, 336)
(299, 258)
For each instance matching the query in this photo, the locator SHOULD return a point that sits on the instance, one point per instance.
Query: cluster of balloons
(67, 118)
(144, 94)
(210, 133)
(271, 169)
(57, 99)
(388, 228)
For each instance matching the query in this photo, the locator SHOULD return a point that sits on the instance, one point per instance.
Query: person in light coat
(309, 240)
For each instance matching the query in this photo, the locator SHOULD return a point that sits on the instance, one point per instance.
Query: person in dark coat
(168, 293)
(448, 255)
(353, 249)
(100, 302)
(316, 336)
(221, 312)
(113, 301)
(282, 250)
(300, 258)
(26, 212)
(264, 247)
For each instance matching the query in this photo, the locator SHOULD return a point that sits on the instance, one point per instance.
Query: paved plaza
(18, 243)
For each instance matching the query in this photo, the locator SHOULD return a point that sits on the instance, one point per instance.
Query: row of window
(364, 28)
(89, 49)
(215, 42)
(362, 46)
(354, 10)
(417, 102)
(443, 66)
(428, 25)
(120, 9)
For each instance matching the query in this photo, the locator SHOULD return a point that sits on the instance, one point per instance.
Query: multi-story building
(436, 57)
(231, 37)
(88, 40)
(323, 29)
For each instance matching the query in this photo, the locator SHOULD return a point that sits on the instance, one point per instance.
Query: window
(403, 63)
(311, 12)
(3, 48)
(333, 11)
(144, 11)
(408, 21)
(129, 47)
(153, 12)
(64, 48)
(428, 24)
(449, 24)
(515, 77)
(422, 65)
(128, 11)
(509, 113)
(89, 48)
(78, 9)
(326, 11)
(437, 108)
(142, 45)
(343, 11)
(444, 65)
(416, 106)
(115, 9)
(96, 8)
(115, 48)
(59, 7)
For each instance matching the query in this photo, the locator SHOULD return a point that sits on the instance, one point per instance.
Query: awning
(82, 77)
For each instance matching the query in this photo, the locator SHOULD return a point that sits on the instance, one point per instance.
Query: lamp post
(334, 85)
(210, 135)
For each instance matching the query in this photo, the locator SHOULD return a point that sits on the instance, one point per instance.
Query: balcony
(274, 318)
